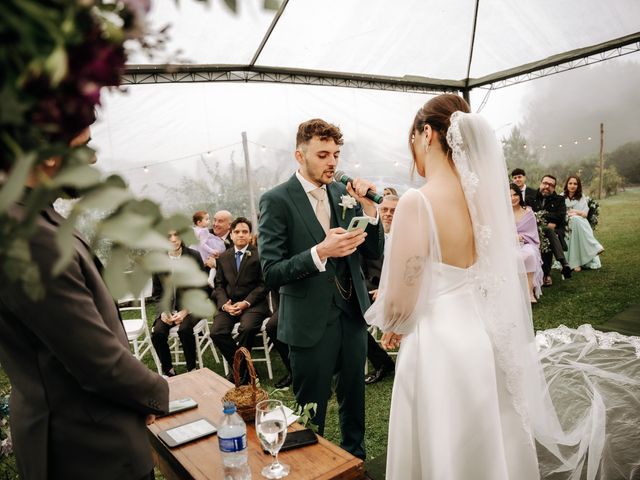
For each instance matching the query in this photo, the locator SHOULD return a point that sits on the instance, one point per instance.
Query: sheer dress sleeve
(406, 272)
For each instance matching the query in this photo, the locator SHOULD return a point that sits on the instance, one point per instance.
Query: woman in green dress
(583, 248)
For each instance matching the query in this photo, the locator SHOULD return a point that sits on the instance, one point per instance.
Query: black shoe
(566, 271)
(378, 375)
(244, 378)
(284, 381)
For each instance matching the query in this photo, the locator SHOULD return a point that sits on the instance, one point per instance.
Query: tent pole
(247, 168)
(466, 96)
(601, 161)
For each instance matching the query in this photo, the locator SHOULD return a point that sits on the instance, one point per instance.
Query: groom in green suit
(308, 254)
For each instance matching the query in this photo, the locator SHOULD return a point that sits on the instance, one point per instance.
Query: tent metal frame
(148, 74)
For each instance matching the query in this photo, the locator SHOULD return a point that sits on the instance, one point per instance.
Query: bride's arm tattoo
(413, 269)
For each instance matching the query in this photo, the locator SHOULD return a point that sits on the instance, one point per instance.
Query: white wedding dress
(451, 414)
(470, 398)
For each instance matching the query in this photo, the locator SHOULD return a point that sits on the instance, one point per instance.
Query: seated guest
(582, 247)
(380, 359)
(222, 226)
(527, 231)
(240, 294)
(519, 177)
(281, 347)
(176, 315)
(554, 213)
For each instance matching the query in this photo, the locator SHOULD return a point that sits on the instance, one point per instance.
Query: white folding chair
(203, 342)
(265, 346)
(137, 329)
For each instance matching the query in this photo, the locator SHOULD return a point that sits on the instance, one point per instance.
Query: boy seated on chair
(176, 316)
(240, 294)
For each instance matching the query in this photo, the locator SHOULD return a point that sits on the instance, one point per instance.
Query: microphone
(342, 177)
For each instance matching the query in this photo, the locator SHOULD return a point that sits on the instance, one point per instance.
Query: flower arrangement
(6, 447)
(594, 212)
(542, 222)
(63, 55)
(347, 201)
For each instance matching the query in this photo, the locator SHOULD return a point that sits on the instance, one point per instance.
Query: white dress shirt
(308, 188)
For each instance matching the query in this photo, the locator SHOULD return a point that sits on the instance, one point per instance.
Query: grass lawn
(589, 297)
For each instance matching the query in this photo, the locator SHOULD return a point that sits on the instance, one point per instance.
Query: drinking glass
(271, 427)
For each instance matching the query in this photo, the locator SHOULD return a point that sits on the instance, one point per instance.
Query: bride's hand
(390, 341)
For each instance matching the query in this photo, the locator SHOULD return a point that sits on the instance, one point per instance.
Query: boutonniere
(247, 253)
(347, 202)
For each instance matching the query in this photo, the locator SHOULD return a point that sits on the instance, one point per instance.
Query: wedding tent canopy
(223, 73)
(409, 45)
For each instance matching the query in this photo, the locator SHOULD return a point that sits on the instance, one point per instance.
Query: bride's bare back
(451, 215)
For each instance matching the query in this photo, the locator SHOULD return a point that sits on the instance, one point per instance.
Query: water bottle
(232, 439)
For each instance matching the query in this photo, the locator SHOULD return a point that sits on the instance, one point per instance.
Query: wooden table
(201, 459)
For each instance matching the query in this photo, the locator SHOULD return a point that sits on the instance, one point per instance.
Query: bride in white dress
(469, 399)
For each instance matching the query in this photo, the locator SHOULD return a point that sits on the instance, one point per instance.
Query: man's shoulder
(281, 189)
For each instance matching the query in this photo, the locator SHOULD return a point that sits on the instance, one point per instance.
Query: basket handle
(237, 358)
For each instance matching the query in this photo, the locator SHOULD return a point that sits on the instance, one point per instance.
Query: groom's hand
(358, 189)
(340, 243)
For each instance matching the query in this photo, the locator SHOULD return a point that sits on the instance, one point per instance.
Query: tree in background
(519, 154)
(626, 159)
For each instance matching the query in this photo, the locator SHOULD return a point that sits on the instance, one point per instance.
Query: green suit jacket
(288, 230)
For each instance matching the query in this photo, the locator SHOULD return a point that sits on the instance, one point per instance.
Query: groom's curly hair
(317, 127)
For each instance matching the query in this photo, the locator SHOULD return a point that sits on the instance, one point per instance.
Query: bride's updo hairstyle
(437, 113)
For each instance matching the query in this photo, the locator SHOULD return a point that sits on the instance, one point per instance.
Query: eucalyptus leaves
(63, 53)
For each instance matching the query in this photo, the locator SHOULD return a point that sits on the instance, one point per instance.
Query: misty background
(180, 144)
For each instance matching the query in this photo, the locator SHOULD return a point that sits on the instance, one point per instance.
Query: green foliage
(516, 151)
(626, 159)
(612, 182)
(62, 53)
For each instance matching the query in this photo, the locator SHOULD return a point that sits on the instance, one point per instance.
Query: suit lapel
(300, 201)
(334, 199)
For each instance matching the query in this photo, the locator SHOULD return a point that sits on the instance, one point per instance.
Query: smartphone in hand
(358, 222)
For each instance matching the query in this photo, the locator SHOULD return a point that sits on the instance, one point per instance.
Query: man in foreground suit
(79, 398)
(240, 294)
(307, 253)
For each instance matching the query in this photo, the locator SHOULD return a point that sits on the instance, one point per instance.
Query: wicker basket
(246, 397)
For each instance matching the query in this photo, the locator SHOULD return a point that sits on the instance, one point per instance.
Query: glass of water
(271, 427)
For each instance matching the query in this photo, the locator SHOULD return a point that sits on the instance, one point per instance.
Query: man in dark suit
(555, 214)
(372, 268)
(519, 177)
(79, 398)
(240, 293)
(307, 253)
